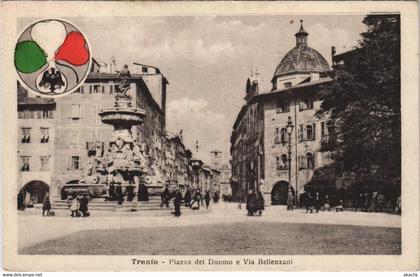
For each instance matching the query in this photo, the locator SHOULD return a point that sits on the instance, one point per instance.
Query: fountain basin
(124, 116)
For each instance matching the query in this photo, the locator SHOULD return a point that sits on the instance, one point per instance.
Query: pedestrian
(130, 192)
(177, 202)
(340, 206)
(112, 193)
(374, 202)
(381, 202)
(317, 202)
(84, 201)
(290, 200)
(308, 201)
(207, 198)
(251, 203)
(46, 204)
(326, 204)
(21, 200)
(360, 202)
(187, 197)
(196, 199)
(260, 203)
(74, 206)
(164, 197)
(119, 192)
(366, 203)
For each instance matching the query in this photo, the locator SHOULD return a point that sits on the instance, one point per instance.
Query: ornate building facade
(264, 156)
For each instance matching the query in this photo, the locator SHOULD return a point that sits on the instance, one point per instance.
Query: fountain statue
(124, 162)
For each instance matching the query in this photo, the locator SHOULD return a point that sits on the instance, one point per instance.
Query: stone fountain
(124, 162)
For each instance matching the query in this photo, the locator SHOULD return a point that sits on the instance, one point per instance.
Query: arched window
(309, 160)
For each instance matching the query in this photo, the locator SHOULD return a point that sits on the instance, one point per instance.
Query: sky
(207, 60)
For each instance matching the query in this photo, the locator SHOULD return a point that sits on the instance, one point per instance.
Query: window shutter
(313, 131)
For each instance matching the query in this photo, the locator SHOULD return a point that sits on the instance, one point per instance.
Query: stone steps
(100, 204)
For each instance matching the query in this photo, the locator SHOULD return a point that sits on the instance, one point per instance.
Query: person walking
(74, 206)
(260, 203)
(164, 197)
(207, 198)
(111, 191)
(366, 203)
(196, 199)
(130, 192)
(120, 195)
(177, 202)
(251, 203)
(84, 201)
(326, 204)
(381, 202)
(46, 204)
(187, 197)
(308, 202)
(290, 200)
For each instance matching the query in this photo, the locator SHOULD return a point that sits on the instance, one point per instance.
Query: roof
(301, 59)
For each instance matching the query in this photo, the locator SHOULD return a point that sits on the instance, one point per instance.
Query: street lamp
(289, 130)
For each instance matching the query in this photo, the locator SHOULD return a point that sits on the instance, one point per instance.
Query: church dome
(302, 58)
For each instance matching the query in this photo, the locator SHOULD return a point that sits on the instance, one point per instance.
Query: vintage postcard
(210, 136)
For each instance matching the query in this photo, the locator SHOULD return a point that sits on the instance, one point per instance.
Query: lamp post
(289, 130)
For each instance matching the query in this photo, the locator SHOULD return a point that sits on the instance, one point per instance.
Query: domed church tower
(299, 64)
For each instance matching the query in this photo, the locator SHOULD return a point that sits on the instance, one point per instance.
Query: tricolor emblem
(52, 58)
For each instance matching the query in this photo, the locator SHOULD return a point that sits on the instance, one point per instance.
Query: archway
(36, 190)
(279, 193)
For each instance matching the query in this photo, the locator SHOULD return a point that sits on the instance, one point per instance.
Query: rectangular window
(306, 103)
(47, 114)
(75, 111)
(75, 163)
(26, 135)
(282, 106)
(75, 136)
(25, 163)
(102, 88)
(45, 135)
(307, 132)
(96, 88)
(44, 163)
(21, 115)
(82, 89)
(323, 129)
(111, 89)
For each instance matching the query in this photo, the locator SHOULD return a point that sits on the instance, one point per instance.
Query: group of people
(117, 193)
(365, 202)
(254, 203)
(191, 199)
(78, 205)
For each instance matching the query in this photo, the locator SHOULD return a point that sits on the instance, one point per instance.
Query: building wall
(35, 149)
(275, 120)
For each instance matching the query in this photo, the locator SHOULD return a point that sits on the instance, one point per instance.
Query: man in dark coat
(120, 195)
(251, 203)
(177, 202)
(46, 204)
(130, 192)
(308, 201)
(207, 199)
(164, 197)
(260, 203)
(197, 199)
(187, 197)
(111, 191)
(83, 208)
